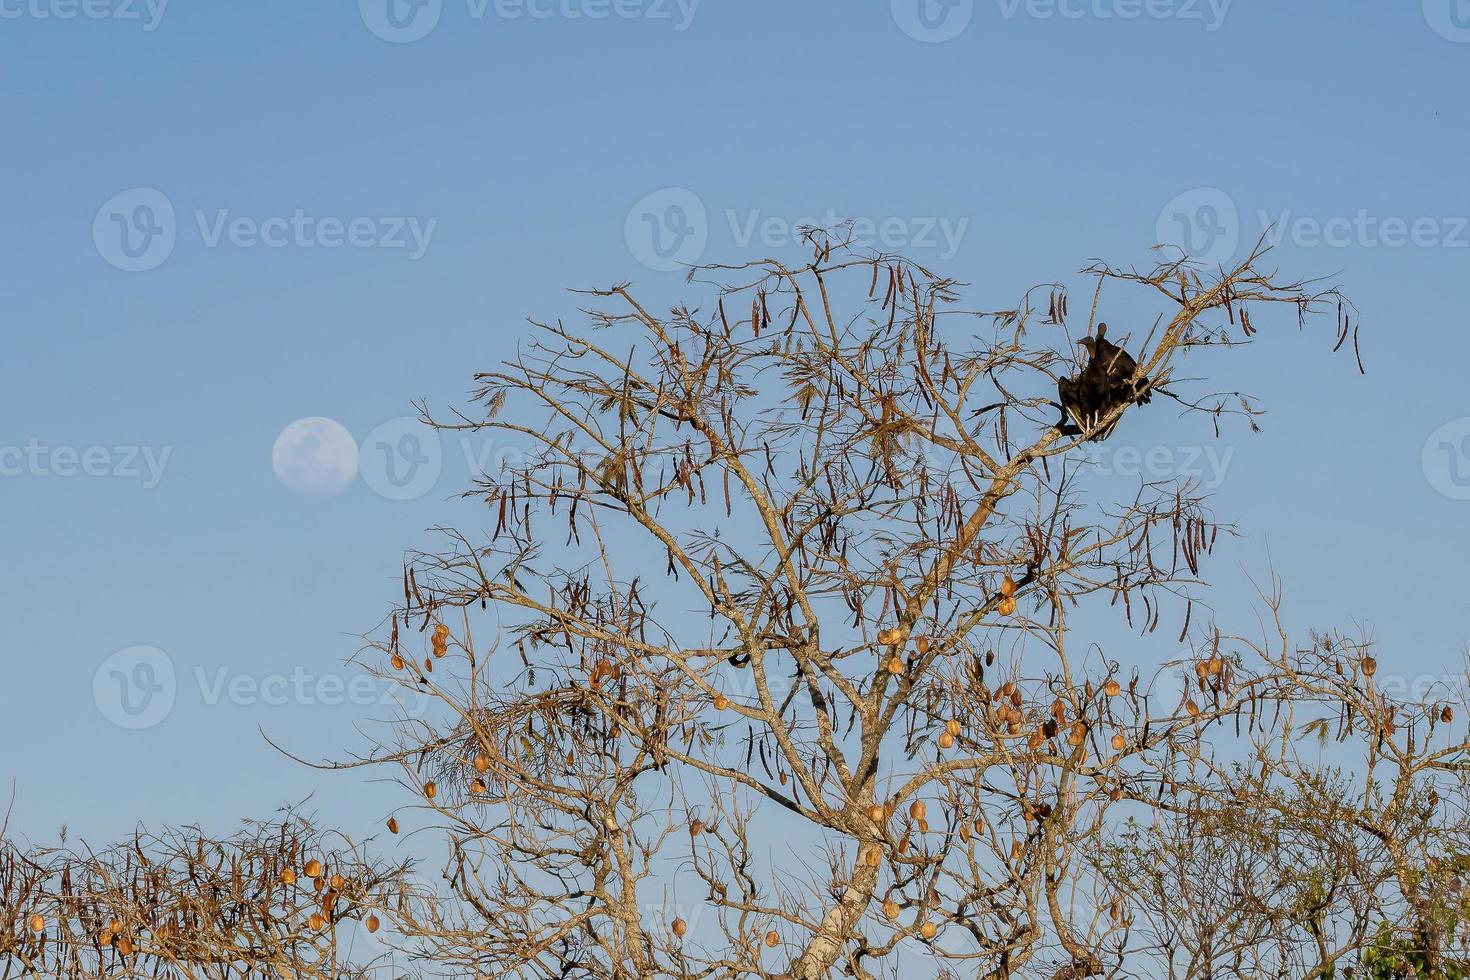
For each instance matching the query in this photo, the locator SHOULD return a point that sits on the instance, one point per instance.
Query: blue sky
(360, 219)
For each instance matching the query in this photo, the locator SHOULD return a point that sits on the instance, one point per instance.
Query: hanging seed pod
(1370, 666)
(1119, 742)
(38, 924)
(891, 910)
(481, 763)
(478, 787)
(371, 922)
(679, 927)
(953, 727)
(317, 921)
(392, 825)
(696, 827)
(877, 813)
(1007, 607)
(1447, 715)
(1036, 740)
(1192, 708)
(430, 790)
(396, 661)
(921, 643)
(928, 930)
(338, 882)
(313, 868)
(721, 702)
(874, 856)
(1007, 587)
(946, 740)
(773, 939)
(288, 876)
(918, 810)
(1112, 688)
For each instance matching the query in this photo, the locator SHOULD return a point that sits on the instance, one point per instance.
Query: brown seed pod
(1007, 607)
(891, 910)
(680, 927)
(1007, 587)
(953, 727)
(921, 643)
(371, 922)
(918, 810)
(773, 939)
(1370, 666)
(946, 740)
(721, 702)
(1112, 688)
(313, 868)
(430, 790)
(392, 825)
(1119, 741)
(1447, 715)
(481, 763)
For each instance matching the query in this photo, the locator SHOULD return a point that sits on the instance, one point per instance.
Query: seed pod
(680, 927)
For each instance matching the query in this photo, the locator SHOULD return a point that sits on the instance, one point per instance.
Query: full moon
(315, 457)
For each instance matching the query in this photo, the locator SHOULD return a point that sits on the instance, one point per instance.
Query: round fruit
(313, 868)
(372, 923)
(1370, 666)
(1119, 742)
(478, 787)
(721, 702)
(482, 764)
(1112, 688)
(895, 665)
(288, 876)
(430, 790)
(38, 923)
(946, 741)
(1007, 607)
(680, 927)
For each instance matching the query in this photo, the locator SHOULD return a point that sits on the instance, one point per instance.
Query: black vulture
(1105, 382)
(1116, 363)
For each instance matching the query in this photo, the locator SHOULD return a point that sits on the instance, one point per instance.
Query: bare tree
(776, 657)
(792, 573)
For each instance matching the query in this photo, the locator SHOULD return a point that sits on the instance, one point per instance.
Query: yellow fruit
(928, 930)
(1119, 742)
(946, 741)
(1007, 607)
(721, 703)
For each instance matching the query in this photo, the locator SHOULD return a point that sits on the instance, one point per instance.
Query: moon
(315, 457)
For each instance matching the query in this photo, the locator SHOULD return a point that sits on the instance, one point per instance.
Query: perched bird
(1118, 365)
(1107, 380)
